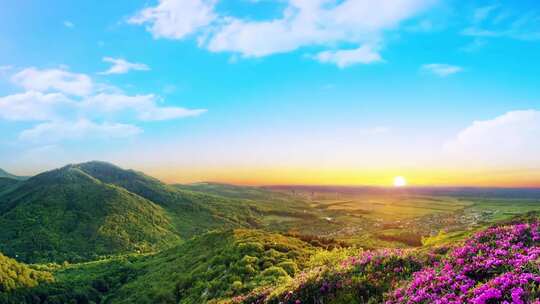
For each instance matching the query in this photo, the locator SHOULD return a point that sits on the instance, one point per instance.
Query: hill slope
(496, 265)
(14, 275)
(7, 183)
(66, 214)
(191, 213)
(214, 265)
(82, 211)
(6, 174)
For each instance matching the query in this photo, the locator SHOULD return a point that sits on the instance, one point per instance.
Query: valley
(98, 233)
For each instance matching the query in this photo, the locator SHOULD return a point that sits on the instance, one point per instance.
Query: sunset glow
(399, 181)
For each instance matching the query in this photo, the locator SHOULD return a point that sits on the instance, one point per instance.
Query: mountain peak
(98, 164)
(67, 174)
(109, 173)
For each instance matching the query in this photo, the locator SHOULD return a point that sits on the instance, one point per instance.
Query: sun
(400, 181)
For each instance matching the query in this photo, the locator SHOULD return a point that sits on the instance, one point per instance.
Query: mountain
(82, 211)
(265, 198)
(191, 212)
(231, 191)
(7, 183)
(6, 174)
(67, 214)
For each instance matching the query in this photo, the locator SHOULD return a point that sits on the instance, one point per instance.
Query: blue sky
(253, 91)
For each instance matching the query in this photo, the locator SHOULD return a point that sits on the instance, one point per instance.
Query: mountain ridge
(67, 214)
(81, 211)
(4, 173)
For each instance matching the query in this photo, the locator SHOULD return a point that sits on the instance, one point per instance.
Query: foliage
(209, 267)
(338, 277)
(7, 183)
(67, 214)
(216, 265)
(14, 275)
(17, 278)
(191, 213)
(496, 265)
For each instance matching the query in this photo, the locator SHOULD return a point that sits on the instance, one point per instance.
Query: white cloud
(303, 23)
(66, 130)
(441, 69)
(176, 19)
(54, 79)
(122, 66)
(110, 103)
(482, 13)
(496, 22)
(145, 107)
(34, 106)
(71, 106)
(166, 113)
(38, 106)
(69, 24)
(319, 22)
(343, 58)
(510, 139)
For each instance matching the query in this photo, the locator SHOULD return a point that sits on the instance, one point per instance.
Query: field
(383, 217)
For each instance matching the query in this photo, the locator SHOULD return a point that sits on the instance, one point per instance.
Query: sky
(263, 92)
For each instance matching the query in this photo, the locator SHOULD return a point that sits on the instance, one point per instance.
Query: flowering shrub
(498, 265)
(356, 279)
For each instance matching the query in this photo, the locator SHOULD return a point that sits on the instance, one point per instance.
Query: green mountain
(67, 214)
(7, 183)
(232, 191)
(191, 212)
(83, 211)
(6, 174)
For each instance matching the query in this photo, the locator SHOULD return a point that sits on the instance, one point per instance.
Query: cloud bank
(510, 139)
(327, 24)
(441, 69)
(122, 66)
(70, 106)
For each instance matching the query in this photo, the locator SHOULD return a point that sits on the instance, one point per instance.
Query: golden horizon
(379, 178)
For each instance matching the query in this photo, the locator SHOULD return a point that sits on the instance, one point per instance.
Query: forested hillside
(191, 213)
(494, 265)
(68, 215)
(215, 265)
(15, 275)
(84, 211)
